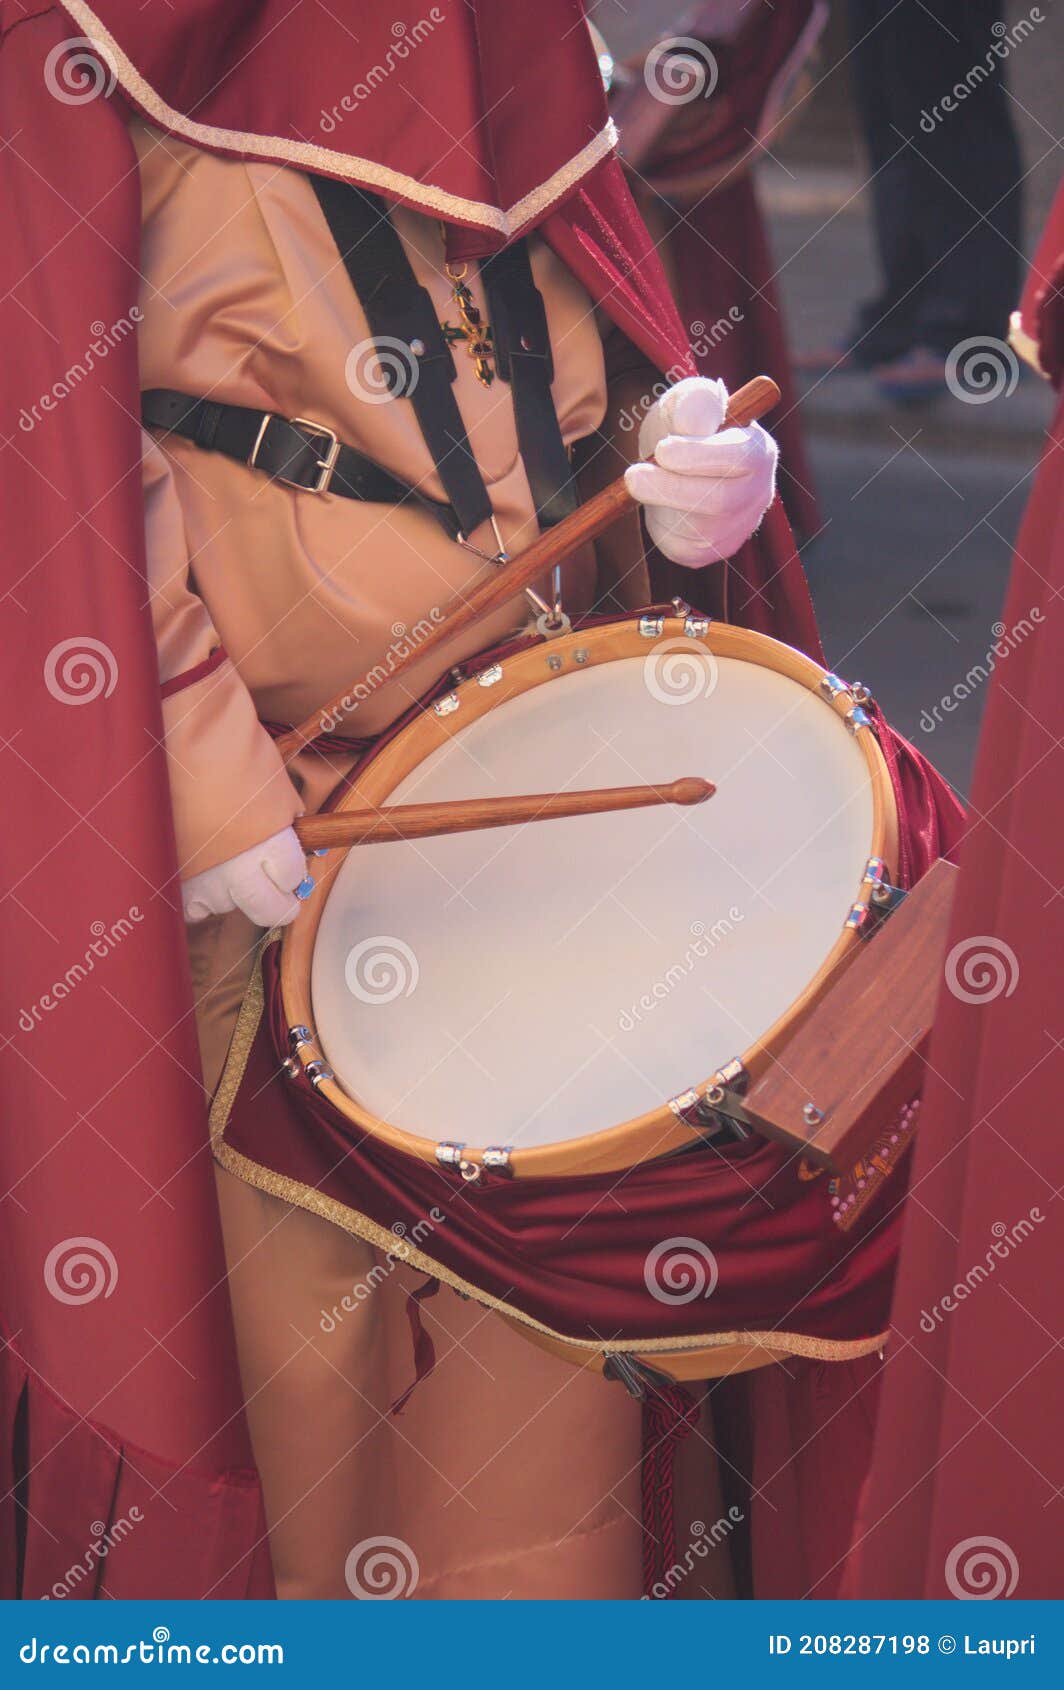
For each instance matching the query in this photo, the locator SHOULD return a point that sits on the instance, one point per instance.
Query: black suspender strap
(400, 313)
(521, 342)
(297, 451)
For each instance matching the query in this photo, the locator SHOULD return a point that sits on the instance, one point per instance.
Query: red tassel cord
(670, 1414)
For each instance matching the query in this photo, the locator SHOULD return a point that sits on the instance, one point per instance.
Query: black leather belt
(296, 451)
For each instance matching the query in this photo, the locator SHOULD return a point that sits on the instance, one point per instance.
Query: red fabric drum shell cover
(572, 1252)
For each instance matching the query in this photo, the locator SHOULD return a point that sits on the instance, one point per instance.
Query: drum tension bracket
(495, 1159)
(719, 1115)
(883, 899)
(722, 1117)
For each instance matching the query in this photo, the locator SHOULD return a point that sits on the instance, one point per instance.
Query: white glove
(261, 882)
(705, 491)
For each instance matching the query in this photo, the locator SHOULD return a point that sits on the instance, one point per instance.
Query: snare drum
(556, 999)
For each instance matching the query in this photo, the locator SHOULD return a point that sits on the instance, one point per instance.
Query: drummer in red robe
(311, 258)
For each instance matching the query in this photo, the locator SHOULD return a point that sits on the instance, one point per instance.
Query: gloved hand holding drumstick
(704, 488)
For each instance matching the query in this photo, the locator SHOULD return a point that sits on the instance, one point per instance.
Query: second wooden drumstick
(424, 821)
(509, 579)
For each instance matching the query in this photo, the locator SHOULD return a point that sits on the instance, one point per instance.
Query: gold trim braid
(360, 1226)
(305, 155)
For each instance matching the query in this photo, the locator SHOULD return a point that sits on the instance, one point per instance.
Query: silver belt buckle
(326, 463)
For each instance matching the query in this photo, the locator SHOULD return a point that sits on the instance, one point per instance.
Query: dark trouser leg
(946, 200)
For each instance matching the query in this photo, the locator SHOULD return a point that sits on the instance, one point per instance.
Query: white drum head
(524, 986)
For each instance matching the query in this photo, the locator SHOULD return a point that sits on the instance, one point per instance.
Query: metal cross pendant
(471, 328)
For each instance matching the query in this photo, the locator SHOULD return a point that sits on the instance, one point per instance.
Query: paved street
(920, 507)
(909, 573)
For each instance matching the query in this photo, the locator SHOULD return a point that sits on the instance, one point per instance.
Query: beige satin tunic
(245, 300)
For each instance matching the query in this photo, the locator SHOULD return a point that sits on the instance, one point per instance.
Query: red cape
(119, 1394)
(695, 158)
(964, 1493)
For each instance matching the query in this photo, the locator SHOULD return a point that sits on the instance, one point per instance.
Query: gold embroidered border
(360, 1226)
(365, 171)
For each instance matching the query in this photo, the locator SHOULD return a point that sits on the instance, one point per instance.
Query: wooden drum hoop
(663, 1129)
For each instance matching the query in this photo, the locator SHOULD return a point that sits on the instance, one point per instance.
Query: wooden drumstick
(425, 821)
(509, 579)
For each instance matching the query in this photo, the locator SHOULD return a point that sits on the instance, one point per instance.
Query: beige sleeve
(228, 785)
